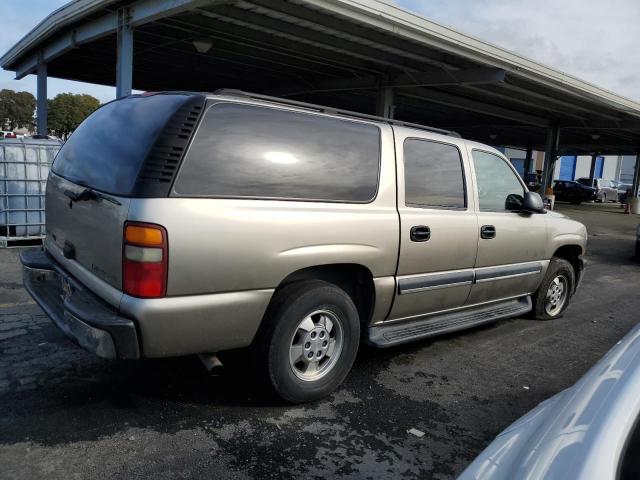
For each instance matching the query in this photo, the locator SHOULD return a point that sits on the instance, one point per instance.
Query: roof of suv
(265, 99)
(324, 109)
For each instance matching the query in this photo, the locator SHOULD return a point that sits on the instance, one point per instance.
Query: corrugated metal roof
(337, 52)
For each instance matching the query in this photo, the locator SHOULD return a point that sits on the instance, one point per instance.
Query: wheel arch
(355, 279)
(571, 253)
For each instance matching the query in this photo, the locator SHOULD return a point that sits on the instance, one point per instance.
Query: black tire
(557, 267)
(289, 307)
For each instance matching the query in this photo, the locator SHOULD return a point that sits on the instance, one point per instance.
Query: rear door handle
(487, 231)
(420, 233)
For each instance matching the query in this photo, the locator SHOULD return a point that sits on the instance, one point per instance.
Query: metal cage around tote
(24, 168)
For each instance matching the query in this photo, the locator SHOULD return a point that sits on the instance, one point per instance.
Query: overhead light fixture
(203, 45)
(595, 136)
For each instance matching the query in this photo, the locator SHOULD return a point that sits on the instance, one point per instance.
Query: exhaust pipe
(212, 363)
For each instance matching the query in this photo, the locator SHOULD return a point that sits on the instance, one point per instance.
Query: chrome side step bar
(397, 333)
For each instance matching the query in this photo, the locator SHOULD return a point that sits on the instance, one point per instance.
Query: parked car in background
(237, 221)
(7, 134)
(589, 431)
(574, 192)
(532, 180)
(624, 191)
(606, 190)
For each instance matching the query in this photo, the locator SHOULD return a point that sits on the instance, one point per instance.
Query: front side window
(498, 186)
(261, 152)
(433, 175)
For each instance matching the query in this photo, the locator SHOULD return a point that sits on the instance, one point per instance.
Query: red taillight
(144, 260)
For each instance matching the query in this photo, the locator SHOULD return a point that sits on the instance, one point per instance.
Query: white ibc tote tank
(24, 168)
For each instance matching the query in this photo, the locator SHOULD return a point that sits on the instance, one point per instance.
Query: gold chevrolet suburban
(184, 223)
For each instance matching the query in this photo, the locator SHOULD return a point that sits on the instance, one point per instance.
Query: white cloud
(594, 41)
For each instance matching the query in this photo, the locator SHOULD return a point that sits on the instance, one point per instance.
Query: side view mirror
(533, 203)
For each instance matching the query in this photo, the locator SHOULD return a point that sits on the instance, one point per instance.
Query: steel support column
(592, 170)
(124, 65)
(41, 100)
(384, 106)
(550, 154)
(528, 159)
(636, 177)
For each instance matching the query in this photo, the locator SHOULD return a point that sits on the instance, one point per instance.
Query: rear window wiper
(89, 194)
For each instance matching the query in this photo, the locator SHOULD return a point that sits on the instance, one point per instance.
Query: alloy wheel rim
(556, 296)
(316, 345)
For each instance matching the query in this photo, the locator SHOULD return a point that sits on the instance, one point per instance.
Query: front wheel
(554, 294)
(309, 341)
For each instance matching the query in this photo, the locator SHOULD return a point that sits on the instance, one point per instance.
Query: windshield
(107, 150)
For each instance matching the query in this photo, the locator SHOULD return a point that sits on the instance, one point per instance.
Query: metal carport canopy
(362, 55)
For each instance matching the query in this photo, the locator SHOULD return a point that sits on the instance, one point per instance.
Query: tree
(67, 111)
(16, 109)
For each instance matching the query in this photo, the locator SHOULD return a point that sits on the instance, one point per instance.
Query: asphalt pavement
(66, 414)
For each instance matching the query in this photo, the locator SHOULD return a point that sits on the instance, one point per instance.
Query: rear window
(261, 152)
(107, 150)
(585, 181)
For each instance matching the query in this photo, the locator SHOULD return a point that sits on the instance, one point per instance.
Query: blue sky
(593, 40)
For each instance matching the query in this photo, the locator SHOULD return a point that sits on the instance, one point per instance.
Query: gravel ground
(66, 414)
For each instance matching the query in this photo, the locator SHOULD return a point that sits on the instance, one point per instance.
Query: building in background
(571, 167)
(610, 167)
(627, 164)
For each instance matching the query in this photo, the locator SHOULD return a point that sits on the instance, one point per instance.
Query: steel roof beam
(426, 78)
(521, 100)
(297, 33)
(140, 12)
(523, 93)
(236, 52)
(249, 37)
(464, 103)
(340, 28)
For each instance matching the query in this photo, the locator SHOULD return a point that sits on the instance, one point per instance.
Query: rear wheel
(554, 294)
(308, 342)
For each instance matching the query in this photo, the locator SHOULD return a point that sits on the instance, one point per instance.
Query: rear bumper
(84, 318)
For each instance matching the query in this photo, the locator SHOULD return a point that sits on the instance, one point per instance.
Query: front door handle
(487, 231)
(420, 233)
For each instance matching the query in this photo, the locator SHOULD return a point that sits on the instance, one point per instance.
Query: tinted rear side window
(251, 151)
(433, 175)
(107, 150)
